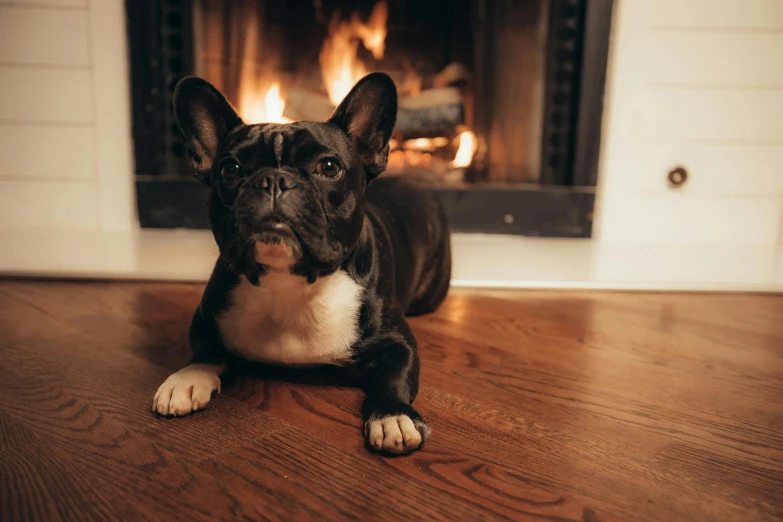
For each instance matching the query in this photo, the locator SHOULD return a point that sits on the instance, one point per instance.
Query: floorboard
(544, 405)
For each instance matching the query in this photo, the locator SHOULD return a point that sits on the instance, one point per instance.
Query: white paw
(395, 434)
(188, 390)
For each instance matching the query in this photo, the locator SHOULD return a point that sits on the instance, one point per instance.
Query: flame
(259, 107)
(261, 100)
(465, 150)
(340, 65)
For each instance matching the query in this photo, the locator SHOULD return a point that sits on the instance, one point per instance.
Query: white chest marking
(287, 321)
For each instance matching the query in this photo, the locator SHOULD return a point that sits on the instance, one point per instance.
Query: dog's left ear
(368, 115)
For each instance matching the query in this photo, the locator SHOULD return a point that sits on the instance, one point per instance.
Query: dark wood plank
(38, 481)
(544, 406)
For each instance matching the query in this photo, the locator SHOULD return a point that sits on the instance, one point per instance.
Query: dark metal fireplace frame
(559, 205)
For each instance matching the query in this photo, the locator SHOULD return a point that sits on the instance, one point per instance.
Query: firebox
(500, 101)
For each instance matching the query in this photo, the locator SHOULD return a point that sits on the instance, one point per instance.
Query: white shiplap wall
(65, 161)
(697, 83)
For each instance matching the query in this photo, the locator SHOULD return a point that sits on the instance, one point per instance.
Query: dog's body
(316, 266)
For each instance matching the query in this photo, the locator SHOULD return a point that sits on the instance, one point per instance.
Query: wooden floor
(544, 406)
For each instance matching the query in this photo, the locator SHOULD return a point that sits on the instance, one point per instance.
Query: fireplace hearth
(500, 101)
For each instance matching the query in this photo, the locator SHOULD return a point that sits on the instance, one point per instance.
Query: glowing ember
(396, 160)
(426, 143)
(340, 65)
(466, 148)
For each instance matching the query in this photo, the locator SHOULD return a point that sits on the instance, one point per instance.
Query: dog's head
(287, 196)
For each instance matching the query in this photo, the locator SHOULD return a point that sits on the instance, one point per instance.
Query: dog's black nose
(277, 182)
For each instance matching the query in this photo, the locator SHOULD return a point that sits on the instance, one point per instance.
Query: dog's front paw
(396, 434)
(187, 390)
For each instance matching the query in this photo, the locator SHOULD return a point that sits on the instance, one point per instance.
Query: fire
(340, 65)
(274, 105)
(256, 104)
(261, 99)
(259, 107)
(465, 150)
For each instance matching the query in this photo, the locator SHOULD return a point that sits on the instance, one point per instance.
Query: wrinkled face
(287, 197)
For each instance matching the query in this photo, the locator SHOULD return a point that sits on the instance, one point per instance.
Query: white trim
(486, 261)
(112, 111)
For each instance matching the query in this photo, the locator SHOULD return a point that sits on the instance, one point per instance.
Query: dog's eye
(329, 168)
(230, 170)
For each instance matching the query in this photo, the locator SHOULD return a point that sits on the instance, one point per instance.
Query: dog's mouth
(276, 246)
(273, 246)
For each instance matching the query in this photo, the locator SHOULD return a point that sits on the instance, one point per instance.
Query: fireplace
(500, 101)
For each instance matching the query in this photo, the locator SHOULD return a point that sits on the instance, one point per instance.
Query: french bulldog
(319, 262)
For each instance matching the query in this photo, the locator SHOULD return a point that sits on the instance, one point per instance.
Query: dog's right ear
(205, 118)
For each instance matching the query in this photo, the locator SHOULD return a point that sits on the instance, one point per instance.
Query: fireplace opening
(287, 61)
(499, 101)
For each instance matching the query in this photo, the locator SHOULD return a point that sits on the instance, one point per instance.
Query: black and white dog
(317, 264)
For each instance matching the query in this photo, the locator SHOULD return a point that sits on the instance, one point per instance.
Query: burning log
(453, 74)
(434, 112)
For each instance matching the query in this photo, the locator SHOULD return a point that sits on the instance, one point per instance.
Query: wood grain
(562, 406)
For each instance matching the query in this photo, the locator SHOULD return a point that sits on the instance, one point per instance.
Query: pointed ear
(368, 115)
(205, 118)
